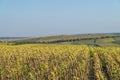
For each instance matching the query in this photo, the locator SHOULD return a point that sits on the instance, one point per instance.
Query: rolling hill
(106, 39)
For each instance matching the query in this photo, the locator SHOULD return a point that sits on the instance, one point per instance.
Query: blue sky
(53, 17)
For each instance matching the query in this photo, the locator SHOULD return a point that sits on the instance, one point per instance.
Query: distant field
(11, 38)
(82, 39)
(59, 62)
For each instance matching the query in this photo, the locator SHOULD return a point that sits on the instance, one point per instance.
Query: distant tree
(94, 40)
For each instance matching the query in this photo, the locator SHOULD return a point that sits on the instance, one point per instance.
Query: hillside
(112, 39)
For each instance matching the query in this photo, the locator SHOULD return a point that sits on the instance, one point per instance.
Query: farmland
(59, 62)
(60, 40)
(108, 39)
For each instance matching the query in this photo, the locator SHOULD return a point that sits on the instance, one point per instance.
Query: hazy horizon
(27, 18)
